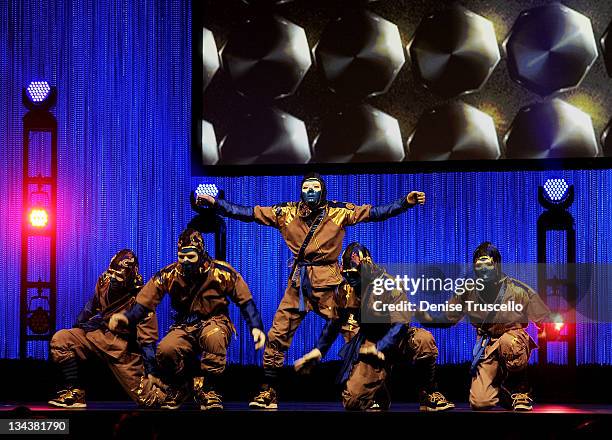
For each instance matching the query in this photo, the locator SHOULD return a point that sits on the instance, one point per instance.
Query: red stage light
(38, 217)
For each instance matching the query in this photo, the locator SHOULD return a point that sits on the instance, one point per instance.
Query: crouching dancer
(200, 290)
(503, 347)
(378, 343)
(128, 352)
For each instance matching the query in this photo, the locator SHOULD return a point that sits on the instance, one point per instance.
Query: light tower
(38, 290)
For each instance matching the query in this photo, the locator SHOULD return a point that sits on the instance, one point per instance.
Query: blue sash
(478, 352)
(483, 340)
(302, 266)
(349, 355)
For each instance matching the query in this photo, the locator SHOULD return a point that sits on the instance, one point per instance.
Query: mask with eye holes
(313, 191)
(357, 265)
(487, 263)
(123, 271)
(191, 253)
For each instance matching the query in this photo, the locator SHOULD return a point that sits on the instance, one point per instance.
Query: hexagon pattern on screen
(606, 45)
(606, 140)
(359, 134)
(209, 56)
(324, 81)
(265, 136)
(359, 54)
(468, 133)
(550, 48)
(551, 129)
(454, 51)
(267, 57)
(210, 148)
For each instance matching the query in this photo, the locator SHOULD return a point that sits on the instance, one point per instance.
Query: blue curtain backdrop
(122, 70)
(462, 210)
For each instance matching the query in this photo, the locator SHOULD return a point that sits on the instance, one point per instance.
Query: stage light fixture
(556, 196)
(39, 95)
(38, 217)
(38, 214)
(207, 220)
(555, 190)
(38, 91)
(209, 189)
(554, 328)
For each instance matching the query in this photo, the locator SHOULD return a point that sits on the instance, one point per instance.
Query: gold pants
(288, 318)
(127, 366)
(367, 381)
(511, 350)
(178, 351)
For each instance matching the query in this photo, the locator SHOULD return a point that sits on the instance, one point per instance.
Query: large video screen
(395, 84)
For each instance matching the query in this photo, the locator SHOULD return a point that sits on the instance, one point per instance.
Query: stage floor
(306, 407)
(570, 403)
(321, 420)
